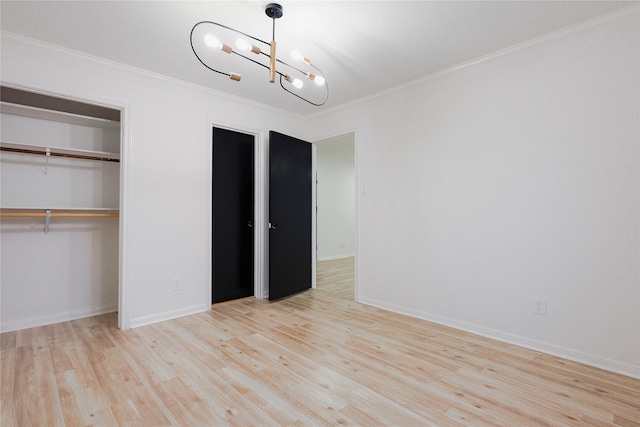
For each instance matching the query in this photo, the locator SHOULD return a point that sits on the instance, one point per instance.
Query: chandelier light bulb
(318, 79)
(242, 44)
(297, 83)
(212, 41)
(297, 55)
(300, 57)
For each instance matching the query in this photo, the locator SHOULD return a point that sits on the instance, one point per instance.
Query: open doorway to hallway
(335, 216)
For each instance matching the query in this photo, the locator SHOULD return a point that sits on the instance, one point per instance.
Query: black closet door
(233, 203)
(290, 208)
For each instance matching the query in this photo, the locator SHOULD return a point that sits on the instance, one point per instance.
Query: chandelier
(207, 47)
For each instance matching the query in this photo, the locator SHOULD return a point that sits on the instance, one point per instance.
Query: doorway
(233, 215)
(335, 216)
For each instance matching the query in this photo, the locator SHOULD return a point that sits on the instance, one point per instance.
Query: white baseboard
(330, 258)
(15, 325)
(554, 350)
(168, 315)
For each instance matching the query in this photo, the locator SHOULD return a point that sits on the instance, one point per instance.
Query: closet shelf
(59, 152)
(47, 214)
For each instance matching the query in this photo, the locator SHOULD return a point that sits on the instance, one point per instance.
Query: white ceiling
(362, 47)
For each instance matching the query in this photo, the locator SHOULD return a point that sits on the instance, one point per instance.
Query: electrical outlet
(177, 284)
(541, 307)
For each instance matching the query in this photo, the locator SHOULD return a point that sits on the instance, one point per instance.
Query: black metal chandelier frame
(273, 11)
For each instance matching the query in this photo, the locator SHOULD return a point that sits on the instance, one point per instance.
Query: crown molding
(145, 73)
(563, 32)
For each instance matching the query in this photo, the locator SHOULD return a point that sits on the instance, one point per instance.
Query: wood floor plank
(7, 373)
(294, 386)
(25, 393)
(337, 277)
(276, 406)
(317, 358)
(50, 410)
(8, 340)
(66, 384)
(7, 413)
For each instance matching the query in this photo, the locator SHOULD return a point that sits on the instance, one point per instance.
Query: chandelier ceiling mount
(273, 10)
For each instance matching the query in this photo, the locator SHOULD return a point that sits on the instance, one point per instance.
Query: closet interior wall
(59, 225)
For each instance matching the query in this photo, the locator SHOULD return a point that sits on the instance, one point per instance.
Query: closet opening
(59, 209)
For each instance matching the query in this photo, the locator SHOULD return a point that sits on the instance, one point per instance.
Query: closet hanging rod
(69, 153)
(61, 213)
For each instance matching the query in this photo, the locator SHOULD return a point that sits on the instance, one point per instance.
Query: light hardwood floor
(313, 359)
(337, 276)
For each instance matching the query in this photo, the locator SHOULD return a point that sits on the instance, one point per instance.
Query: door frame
(314, 218)
(259, 224)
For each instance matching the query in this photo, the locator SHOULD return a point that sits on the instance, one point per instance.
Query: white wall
(166, 204)
(512, 178)
(336, 198)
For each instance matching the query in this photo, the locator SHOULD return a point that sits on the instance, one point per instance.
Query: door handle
(273, 225)
(250, 223)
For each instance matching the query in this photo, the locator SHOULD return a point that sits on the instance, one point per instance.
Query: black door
(289, 215)
(233, 198)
